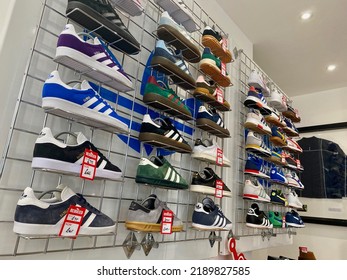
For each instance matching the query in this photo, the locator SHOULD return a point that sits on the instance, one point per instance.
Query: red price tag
(225, 44)
(219, 94)
(219, 189)
(283, 221)
(88, 168)
(283, 157)
(224, 69)
(72, 222)
(219, 159)
(166, 222)
(298, 164)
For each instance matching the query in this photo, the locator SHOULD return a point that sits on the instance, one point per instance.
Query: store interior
(263, 52)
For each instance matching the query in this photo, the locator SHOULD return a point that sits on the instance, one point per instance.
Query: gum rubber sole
(216, 48)
(149, 227)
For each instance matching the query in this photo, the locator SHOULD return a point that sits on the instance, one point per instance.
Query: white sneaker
(255, 190)
(256, 122)
(256, 145)
(294, 181)
(293, 200)
(206, 150)
(256, 80)
(132, 7)
(293, 146)
(180, 13)
(278, 100)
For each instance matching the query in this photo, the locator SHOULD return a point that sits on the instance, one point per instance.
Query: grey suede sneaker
(146, 215)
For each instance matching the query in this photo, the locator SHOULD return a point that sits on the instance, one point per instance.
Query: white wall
(13, 58)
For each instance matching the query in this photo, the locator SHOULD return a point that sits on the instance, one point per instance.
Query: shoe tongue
(65, 193)
(151, 202)
(255, 207)
(209, 205)
(81, 138)
(85, 85)
(159, 160)
(208, 172)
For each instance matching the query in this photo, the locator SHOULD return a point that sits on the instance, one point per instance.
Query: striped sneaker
(90, 56)
(209, 120)
(255, 191)
(158, 171)
(162, 133)
(42, 217)
(256, 218)
(171, 62)
(208, 216)
(51, 154)
(83, 104)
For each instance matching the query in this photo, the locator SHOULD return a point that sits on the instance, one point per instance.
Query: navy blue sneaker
(208, 216)
(290, 128)
(277, 197)
(256, 100)
(209, 120)
(171, 62)
(40, 217)
(294, 220)
(82, 104)
(255, 166)
(277, 176)
(278, 138)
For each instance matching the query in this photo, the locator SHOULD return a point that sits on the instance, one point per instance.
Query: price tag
(166, 222)
(72, 222)
(219, 94)
(224, 44)
(219, 189)
(283, 157)
(88, 168)
(223, 69)
(283, 221)
(219, 159)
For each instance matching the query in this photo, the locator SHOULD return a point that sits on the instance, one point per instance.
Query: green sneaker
(158, 171)
(212, 66)
(275, 219)
(164, 98)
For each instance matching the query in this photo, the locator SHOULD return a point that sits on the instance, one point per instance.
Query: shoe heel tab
(45, 134)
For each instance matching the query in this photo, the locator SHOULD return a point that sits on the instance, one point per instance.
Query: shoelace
(85, 204)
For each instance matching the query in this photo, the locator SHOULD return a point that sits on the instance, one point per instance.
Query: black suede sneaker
(99, 15)
(205, 182)
(256, 218)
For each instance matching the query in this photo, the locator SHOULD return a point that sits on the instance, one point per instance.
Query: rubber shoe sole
(204, 95)
(278, 141)
(209, 67)
(207, 190)
(212, 127)
(256, 127)
(169, 34)
(216, 48)
(159, 182)
(164, 142)
(148, 227)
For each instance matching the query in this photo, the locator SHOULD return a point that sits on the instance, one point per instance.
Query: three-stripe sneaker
(256, 218)
(256, 100)
(171, 62)
(278, 138)
(255, 191)
(277, 197)
(255, 166)
(83, 104)
(255, 144)
(51, 154)
(162, 133)
(164, 98)
(209, 120)
(293, 219)
(99, 16)
(146, 215)
(208, 216)
(257, 81)
(205, 182)
(91, 56)
(256, 122)
(275, 219)
(40, 217)
(158, 171)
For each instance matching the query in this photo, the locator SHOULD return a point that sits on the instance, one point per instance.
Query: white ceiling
(294, 53)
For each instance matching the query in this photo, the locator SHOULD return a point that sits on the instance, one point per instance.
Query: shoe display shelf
(246, 65)
(212, 130)
(220, 106)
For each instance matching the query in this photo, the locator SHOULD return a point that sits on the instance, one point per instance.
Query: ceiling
(293, 52)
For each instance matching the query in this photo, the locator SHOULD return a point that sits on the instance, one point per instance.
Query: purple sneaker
(91, 57)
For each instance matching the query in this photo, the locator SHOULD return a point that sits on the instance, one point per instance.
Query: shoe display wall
(161, 144)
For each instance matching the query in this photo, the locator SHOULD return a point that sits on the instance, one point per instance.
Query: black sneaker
(256, 218)
(99, 15)
(51, 154)
(161, 133)
(205, 182)
(40, 217)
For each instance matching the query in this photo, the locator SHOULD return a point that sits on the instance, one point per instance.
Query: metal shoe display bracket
(165, 146)
(210, 129)
(214, 103)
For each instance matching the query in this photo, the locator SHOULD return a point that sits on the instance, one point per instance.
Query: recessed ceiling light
(331, 67)
(306, 15)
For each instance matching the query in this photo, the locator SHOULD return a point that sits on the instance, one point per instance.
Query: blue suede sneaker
(294, 220)
(171, 62)
(277, 176)
(255, 166)
(209, 120)
(256, 100)
(277, 197)
(278, 138)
